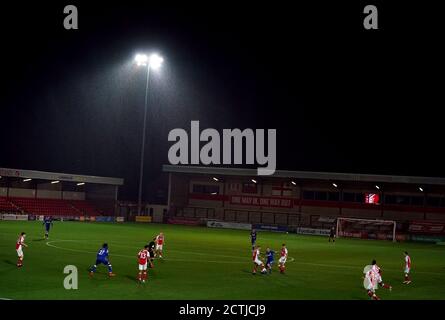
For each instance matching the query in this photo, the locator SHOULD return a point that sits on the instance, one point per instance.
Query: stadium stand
(7, 207)
(48, 206)
(85, 207)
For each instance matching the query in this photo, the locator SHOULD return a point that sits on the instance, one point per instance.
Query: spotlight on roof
(377, 187)
(80, 184)
(420, 189)
(254, 181)
(215, 179)
(54, 182)
(294, 183)
(335, 185)
(26, 180)
(214, 193)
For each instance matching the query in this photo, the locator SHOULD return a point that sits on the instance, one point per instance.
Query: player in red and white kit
(407, 268)
(283, 259)
(370, 283)
(378, 275)
(19, 248)
(143, 257)
(159, 244)
(256, 261)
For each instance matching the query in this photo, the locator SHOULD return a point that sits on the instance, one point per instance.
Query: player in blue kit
(102, 258)
(253, 238)
(48, 223)
(270, 259)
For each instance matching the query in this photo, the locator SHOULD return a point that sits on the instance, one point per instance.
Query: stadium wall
(22, 193)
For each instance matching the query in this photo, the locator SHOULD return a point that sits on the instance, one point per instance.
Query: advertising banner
(266, 227)
(21, 217)
(262, 201)
(422, 227)
(104, 219)
(145, 219)
(313, 231)
(228, 225)
(120, 219)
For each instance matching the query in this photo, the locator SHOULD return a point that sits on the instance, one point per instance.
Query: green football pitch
(204, 263)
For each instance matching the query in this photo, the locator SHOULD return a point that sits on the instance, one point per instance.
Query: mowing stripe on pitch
(49, 244)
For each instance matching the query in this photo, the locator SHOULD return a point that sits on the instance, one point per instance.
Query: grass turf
(203, 263)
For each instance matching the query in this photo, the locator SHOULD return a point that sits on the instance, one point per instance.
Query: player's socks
(370, 294)
(144, 276)
(387, 286)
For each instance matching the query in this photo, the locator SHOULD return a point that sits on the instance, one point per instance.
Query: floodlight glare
(141, 59)
(155, 61)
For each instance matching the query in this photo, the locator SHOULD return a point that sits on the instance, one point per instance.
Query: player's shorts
(269, 263)
(258, 262)
(143, 267)
(19, 252)
(369, 285)
(105, 262)
(159, 247)
(282, 260)
(407, 270)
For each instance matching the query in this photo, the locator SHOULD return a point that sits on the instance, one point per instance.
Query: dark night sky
(341, 98)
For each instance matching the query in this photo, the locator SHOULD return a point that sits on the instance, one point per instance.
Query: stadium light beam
(254, 181)
(80, 184)
(154, 61)
(215, 179)
(377, 187)
(294, 183)
(420, 189)
(335, 185)
(54, 182)
(26, 180)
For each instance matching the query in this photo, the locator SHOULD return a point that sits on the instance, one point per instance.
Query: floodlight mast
(154, 61)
